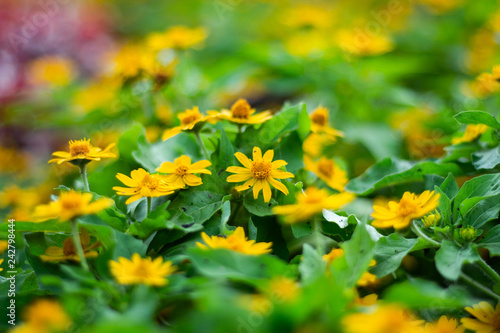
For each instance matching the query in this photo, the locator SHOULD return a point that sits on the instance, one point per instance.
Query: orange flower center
(406, 207)
(69, 247)
(150, 182)
(80, 147)
(181, 170)
(319, 118)
(189, 117)
(261, 170)
(241, 109)
(325, 167)
(70, 203)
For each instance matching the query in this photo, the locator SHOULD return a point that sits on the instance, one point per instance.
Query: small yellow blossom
(386, 319)
(81, 151)
(256, 303)
(69, 205)
(400, 214)
(181, 172)
(360, 43)
(368, 300)
(141, 184)
(320, 123)
(130, 60)
(328, 171)
(188, 119)
(467, 233)
(68, 250)
(312, 202)
(13, 196)
(177, 37)
(237, 241)
(142, 270)
(444, 325)
(4, 245)
(52, 70)
(98, 94)
(487, 318)
(472, 132)
(315, 144)
(283, 289)
(307, 16)
(332, 255)
(241, 113)
(431, 219)
(261, 172)
(45, 315)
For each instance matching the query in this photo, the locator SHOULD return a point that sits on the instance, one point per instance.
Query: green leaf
(225, 229)
(481, 212)
(477, 117)
(285, 121)
(47, 226)
(268, 230)
(312, 266)
(258, 206)
(224, 153)
(294, 157)
(304, 123)
(156, 220)
(486, 159)
(128, 142)
(300, 230)
(450, 258)
(389, 252)
(449, 186)
(393, 171)
(380, 139)
(491, 241)
(479, 187)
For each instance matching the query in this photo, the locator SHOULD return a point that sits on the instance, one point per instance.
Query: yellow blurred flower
(255, 303)
(400, 214)
(130, 60)
(1, 262)
(13, 160)
(307, 16)
(188, 119)
(241, 113)
(312, 202)
(82, 151)
(368, 300)
(4, 245)
(486, 84)
(444, 325)
(472, 132)
(141, 270)
(487, 318)
(97, 94)
(316, 144)
(13, 196)
(328, 171)
(68, 250)
(182, 172)
(177, 37)
(320, 123)
(261, 172)
(307, 43)
(359, 43)
(386, 319)
(237, 241)
(45, 315)
(141, 184)
(283, 289)
(69, 205)
(51, 70)
(332, 255)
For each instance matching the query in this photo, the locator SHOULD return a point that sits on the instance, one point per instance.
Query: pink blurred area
(30, 29)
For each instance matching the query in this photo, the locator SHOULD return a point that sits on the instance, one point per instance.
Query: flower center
(406, 207)
(319, 118)
(189, 117)
(241, 109)
(69, 247)
(181, 170)
(142, 270)
(70, 203)
(150, 182)
(79, 147)
(326, 167)
(261, 170)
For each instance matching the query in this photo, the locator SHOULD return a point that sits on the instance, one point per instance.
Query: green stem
(78, 244)
(83, 173)
(149, 200)
(478, 286)
(201, 144)
(317, 236)
(421, 234)
(488, 270)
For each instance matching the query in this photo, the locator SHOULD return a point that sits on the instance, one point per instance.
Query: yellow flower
(80, 151)
(431, 219)
(188, 119)
(259, 173)
(400, 214)
(13, 196)
(68, 250)
(444, 325)
(368, 300)
(130, 60)
(4, 245)
(305, 16)
(69, 205)
(97, 94)
(283, 289)
(181, 172)
(142, 184)
(316, 144)
(386, 319)
(320, 123)
(1, 262)
(52, 70)
(177, 37)
(255, 303)
(488, 318)
(142, 270)
(486, 84)
(359, 43)
(328, 171)
(365, 280)
(472, 132)
(46, 315)
(332, 255)
(237, 241)
(241, 113)
(312, 202)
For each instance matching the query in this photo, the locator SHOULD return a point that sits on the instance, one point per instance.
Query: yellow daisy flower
(69, 205)
(444, 325)
(472, 132)
(46, 315)
(81, 151)
(385, 319)
(189, 119)
(328, 171)
(242, 113)
(352, 42)
(141, 270)
(311, 202)
(320, 123)
(142, 184)
(400, 214)
(488, 318)
(68, 250)
(315, 144)
(181, 172)
(259, 173)
(177, 37)
(237, 241)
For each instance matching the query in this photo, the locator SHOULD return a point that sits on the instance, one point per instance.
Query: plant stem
(488, 270)
(83, 173)
(478, 286)
(78, 244)
(201, 144)
(421, 234)
(149, 200)
(317, 236)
